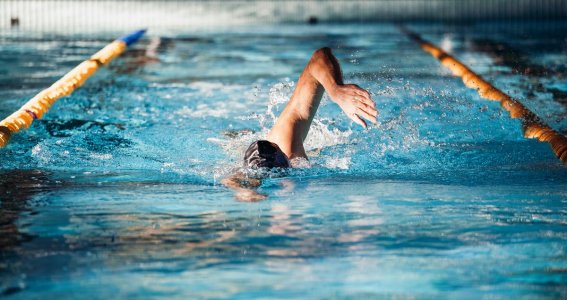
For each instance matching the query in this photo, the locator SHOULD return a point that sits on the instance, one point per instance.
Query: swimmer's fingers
(363, 94)
(358, 120)
(367, 108)
(363, 113)
(348, 92)
(364, 97)
(364, 104)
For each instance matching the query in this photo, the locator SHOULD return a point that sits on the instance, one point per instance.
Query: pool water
(116, 192)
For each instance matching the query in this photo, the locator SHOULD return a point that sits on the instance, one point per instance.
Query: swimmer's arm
(244, 187)
(353, 100)
(322, 73)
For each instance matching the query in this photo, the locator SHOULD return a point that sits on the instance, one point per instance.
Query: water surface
(116, 191)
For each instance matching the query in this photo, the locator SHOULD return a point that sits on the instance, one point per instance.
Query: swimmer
(284, 144)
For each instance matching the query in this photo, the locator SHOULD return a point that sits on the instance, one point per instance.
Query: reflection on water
(179, 230)
(17, 190)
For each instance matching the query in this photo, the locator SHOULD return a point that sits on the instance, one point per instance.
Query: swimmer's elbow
(321, 53)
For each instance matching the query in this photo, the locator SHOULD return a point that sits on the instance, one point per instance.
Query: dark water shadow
(519, 62)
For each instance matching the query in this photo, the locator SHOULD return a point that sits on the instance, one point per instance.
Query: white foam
(300, 163)
(323, 134)
(342, 163)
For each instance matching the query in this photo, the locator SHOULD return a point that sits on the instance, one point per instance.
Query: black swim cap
(265, 154)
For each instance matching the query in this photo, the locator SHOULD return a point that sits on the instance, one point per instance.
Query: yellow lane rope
(40, 103)
(532, 125)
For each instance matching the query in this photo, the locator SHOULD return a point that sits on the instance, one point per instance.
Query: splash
(322, 134)
(279, 94)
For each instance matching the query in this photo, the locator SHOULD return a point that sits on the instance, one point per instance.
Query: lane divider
(532, 125)
(36, 107)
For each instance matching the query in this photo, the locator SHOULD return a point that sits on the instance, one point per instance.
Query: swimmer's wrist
(333, 91)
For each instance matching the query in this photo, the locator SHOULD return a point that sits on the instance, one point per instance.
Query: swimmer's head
(265, 154)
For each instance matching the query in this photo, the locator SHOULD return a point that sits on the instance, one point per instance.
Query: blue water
(117, 193)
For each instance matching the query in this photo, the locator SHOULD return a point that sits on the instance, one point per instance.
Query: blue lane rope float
(40, 103)
(532, 125)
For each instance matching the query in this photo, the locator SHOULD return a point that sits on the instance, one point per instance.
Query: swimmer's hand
(244, 187)
(249, 195)
(355, 102)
